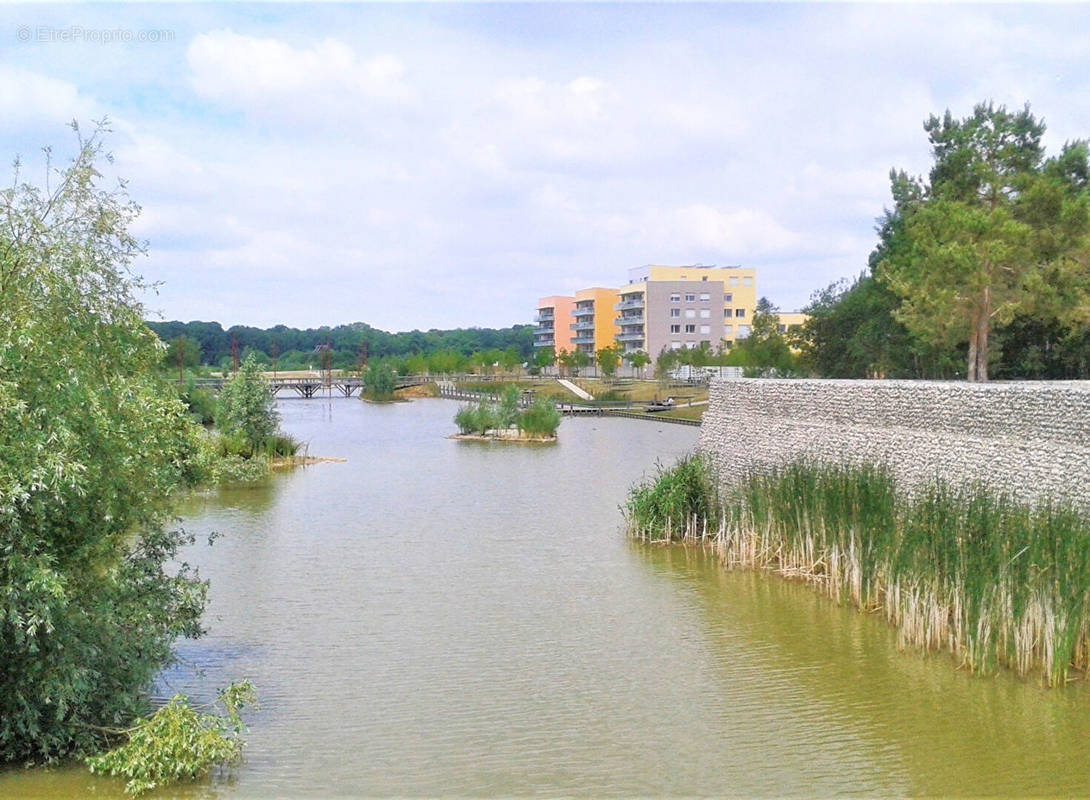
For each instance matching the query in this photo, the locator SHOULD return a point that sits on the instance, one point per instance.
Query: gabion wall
(1028, 439)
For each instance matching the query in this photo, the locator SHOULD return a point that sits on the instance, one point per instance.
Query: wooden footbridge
(315, 385)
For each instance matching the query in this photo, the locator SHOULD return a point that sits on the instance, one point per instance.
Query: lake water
(436, 617)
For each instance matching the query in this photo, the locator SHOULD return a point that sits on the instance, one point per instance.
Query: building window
(728, 298)
(728, 330)
(732, 281)
(728, 313)
(675, 298)
(705, 342)
(690, 329)
(690, 313)
(705, 313)
(739, 312)
(781, 328)
(743, 331)
(705, 329)
(703, 277)
(747, 281)
(705, 297)
(690, 298)
(675, 345)
(675, 312)
(675, 329)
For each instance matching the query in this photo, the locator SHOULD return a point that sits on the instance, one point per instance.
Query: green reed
(966, 569)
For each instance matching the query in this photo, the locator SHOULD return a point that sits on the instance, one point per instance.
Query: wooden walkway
(315, 386)
(450, 391)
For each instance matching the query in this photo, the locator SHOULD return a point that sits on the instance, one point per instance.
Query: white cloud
(251, 73)
(31, 99)
(743, 231)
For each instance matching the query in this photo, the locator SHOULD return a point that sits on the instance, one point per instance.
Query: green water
(453, 618)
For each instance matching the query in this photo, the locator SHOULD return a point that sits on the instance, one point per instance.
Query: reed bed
(969, 570)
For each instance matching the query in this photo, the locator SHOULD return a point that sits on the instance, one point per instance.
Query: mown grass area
(685, 412)
(550, 390)
(641, 391)
(994, 581)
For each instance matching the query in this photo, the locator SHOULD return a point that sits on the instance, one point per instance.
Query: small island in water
(505, 421)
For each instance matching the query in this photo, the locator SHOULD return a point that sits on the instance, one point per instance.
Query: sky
(436, 166)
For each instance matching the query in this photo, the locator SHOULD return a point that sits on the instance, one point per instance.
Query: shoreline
(476, 437)
(290, 462)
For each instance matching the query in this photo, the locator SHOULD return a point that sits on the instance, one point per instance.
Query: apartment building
(554, 315)
(665, 307)
(660, 308)
(594, 320)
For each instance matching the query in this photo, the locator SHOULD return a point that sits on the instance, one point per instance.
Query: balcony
(630, 337)
(583, 340)
(544, 318)
(583, 311)
(544, 342)
(633, 319)
(540, 329)
(627, 304)
(587, 325)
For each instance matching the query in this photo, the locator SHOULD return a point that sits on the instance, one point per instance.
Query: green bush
(507, 410)
(466, 420)
(379, 382)
(247, 408)
(541, 419)
(281, 445)
(202, 404)
(677, 502)
(93, 442)
(178, 742)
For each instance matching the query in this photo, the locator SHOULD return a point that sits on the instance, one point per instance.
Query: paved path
(571, 387)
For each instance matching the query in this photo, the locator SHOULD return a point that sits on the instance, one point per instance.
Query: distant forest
(208, 343)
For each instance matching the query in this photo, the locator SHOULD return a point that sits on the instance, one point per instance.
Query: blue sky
(417, 166)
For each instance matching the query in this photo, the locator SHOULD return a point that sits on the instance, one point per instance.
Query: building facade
(660, 308)
(665, 307)
(594, 320)
(554, 323)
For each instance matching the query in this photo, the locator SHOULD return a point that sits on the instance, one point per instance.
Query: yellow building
(593, 320)
(791, 320)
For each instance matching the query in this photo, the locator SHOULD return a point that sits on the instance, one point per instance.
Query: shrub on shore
(540, 420)
(965, 569)
(379, 383)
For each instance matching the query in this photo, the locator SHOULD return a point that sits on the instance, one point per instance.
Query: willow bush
(966, 569)
(93, 442)
(179, 742)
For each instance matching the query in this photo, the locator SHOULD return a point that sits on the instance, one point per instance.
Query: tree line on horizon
(349, 346)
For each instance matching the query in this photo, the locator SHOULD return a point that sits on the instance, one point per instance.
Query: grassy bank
(967, 570)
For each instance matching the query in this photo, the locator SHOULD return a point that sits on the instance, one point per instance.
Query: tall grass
(965, 569)
(677, 504)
